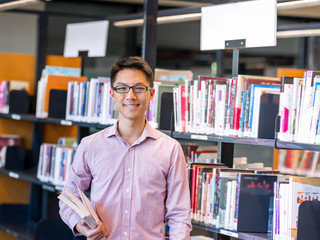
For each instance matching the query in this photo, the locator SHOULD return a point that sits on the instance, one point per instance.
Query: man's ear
(112, 94)
(152, 92)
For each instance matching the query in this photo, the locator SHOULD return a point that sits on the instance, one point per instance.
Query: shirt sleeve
(178, 197)
(79, 175)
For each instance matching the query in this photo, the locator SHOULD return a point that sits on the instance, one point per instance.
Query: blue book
(64, 71)
(252, 97)
(243, 104)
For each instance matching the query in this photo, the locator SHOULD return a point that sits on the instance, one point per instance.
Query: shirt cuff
(73, 221)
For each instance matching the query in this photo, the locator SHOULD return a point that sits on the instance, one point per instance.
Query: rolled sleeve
(79, 175)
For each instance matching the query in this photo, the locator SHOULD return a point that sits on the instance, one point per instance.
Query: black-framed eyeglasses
(135, 89)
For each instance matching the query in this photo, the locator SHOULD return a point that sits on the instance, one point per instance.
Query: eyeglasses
(136, 89)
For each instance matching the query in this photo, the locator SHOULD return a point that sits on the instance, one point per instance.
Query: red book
(184, 105)
(9, 140)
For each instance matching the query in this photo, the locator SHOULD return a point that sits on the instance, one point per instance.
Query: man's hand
(98, 233)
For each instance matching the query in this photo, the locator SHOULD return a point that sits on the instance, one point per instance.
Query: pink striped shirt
(134, 188)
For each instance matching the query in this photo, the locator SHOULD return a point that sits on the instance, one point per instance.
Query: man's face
(131, 106)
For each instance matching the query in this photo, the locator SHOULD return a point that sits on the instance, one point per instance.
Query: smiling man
(138, 175)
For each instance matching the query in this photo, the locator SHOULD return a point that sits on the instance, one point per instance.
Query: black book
(254, 203)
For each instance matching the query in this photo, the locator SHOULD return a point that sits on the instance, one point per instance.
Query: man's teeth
(131, 105)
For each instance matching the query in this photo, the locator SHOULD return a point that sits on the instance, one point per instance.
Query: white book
(69, 154)
(93, 82)
(283, 209)
(306, 107)
(39, 171)
(232, 225)
(83, 207)
(209, 127)
(191, 109)
(187, 111)
(316, 109)
(80, 101)
(285, 111)
(228, 205)
(195, 106)
(297, 122)
(102, 117)
(175, 109)
(202, 107)
(58, 165)
(42, 84)
(220, 100)
(293, 118)
(76, 86)
(69, 97)
(178, 110)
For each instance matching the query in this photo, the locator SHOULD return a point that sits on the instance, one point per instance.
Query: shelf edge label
(48, 188)
(13, 175)
(228, 233)
(66, 122)
(199, 137)
(15, 116)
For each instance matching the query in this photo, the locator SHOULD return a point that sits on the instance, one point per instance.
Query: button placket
(127, 193)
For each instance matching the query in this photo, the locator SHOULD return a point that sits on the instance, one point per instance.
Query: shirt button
(127, 189)
(126, 212)
(125, 233)
(129, 169)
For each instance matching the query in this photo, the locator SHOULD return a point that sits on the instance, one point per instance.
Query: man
(137, 174)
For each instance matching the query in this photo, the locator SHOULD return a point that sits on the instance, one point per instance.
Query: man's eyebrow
(121, 83)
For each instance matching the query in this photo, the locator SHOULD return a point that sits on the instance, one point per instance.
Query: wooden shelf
(30, 176)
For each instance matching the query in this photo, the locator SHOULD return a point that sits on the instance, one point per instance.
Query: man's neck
(130, 131)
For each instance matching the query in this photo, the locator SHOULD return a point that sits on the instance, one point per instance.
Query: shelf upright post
(313, 53)
(225, 150)
(82, 131)
(149, 35)
(235, 62)
(41, 52)
(37, 131)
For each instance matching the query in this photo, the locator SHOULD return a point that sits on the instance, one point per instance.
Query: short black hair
(133, 62)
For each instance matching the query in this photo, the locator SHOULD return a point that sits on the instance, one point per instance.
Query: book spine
(243, 104)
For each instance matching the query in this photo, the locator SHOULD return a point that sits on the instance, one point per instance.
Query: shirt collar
(148, 132)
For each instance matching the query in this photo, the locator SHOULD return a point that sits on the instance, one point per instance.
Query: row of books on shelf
(90, 100)
(299, 162)
(7, 140)
(221, 106)
(248, 200)
(289, 193)
(163, 90)
(8, 86)
(300, 108)
(55, 161)
(54, 77)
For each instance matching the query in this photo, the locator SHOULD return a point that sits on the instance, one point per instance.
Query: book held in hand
(83, 207)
